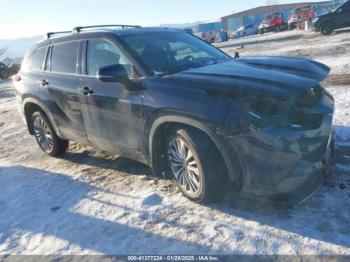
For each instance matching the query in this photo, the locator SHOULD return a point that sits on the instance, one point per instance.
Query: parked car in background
(273, 23)
(209, 32)
(245, 30)
(7, 71)
(188, 30)
(258, 126)
(4, 71)
(338, 18)
(300, 15)
(209, 37)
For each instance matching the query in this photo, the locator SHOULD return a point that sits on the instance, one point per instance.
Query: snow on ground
(90, 202)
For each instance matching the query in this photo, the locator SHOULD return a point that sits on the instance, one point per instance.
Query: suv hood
(280, 76)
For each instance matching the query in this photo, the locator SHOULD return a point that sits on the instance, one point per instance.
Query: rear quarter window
(64, 57)
(37, 59)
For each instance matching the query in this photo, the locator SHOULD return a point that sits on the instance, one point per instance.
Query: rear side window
(37, 59)
(64, 58)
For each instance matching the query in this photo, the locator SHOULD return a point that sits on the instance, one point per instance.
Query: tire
(46, 136)
(207, 167)
(327, 29)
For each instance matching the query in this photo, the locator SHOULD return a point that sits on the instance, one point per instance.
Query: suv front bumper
(283, 174)
(284, 165)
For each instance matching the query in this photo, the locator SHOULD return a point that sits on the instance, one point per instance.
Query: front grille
(310, 97)
(301, 117)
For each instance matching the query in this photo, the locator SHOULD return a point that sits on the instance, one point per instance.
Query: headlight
(265, 107)
(264, 111)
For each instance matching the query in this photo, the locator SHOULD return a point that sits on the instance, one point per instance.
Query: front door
(112, 113)
(343, 17)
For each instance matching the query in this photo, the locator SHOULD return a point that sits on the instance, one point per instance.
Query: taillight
(16, 78)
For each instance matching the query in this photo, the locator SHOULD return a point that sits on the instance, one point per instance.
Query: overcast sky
(24, 18)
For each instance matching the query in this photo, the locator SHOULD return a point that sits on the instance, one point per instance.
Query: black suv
(338, 18)
(259, 126)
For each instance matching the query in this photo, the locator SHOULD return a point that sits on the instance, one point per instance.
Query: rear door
(62, 81)
(112, 113)
(35, 64)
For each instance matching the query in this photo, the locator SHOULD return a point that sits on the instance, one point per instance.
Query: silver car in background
(245, 30)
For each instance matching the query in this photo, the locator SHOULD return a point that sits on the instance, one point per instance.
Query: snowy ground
(90, 202)
(333, 50)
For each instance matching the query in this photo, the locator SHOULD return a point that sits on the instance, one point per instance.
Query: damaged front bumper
(281, 164)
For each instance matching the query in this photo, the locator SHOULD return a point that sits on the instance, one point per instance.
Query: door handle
(43, 83)
(86, 91)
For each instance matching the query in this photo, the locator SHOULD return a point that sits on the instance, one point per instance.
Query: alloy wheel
(184, 167)
(43, 134)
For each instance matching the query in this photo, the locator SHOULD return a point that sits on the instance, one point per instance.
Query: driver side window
(103, 53)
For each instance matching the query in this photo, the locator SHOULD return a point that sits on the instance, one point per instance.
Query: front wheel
(327, 29)
(196, 165)
(46, 136)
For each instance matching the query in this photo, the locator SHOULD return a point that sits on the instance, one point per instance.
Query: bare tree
(3, 50)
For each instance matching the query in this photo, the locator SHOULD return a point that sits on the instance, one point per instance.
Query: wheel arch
(30, 106)
(162, 124)
(327, 22)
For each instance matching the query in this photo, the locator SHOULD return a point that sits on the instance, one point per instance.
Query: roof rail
(77, 29)
(48, 35)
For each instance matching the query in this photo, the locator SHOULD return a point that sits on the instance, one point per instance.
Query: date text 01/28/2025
(173, 258)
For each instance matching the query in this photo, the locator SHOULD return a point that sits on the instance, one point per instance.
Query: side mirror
(112, 74)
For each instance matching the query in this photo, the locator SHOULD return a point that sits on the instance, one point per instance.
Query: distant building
(207, 27)
(256, 15)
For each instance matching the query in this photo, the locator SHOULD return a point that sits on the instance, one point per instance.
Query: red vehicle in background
(300, 15)
(272, 22)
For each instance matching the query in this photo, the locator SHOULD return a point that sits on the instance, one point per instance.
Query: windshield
(171, 52)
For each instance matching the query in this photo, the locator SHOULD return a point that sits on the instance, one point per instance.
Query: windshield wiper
(196, 64)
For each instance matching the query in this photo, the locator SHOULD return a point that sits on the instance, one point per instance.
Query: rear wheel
(327, 29)
(46, 136)
(196, 165)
